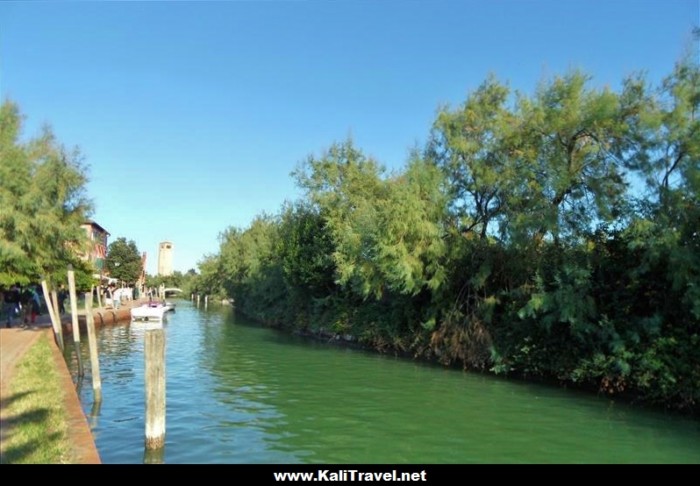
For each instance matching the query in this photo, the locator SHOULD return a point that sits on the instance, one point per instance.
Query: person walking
(25, 296)
(62, 295)
(31, 304)
(12, 305)
(35, 303)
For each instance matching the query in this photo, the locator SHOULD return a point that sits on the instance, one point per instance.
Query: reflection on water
(154, 456)
(238, 393)
(94, 414)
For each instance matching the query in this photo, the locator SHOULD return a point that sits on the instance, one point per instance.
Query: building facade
(97, 250)
(165, 258)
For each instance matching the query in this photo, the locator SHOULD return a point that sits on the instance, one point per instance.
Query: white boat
(149, 312)
(169, 306)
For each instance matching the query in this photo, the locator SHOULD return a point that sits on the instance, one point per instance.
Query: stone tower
(165, 258)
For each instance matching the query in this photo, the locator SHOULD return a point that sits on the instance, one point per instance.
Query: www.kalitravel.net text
(350, 475)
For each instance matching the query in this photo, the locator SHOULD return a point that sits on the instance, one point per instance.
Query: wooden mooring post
(206, 301)
(54, 301)
(55, 319)
(154, 351)
(74, 318)
(99, 298)
(198, 297)
(94, 414)
(154, 456)
(94, 354)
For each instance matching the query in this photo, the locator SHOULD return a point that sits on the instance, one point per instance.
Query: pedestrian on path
(35, 303)
(31, 304)
(62, 295)
(12, 305)
(25, 301)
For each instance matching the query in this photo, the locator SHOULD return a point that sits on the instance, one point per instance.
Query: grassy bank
(36, 421)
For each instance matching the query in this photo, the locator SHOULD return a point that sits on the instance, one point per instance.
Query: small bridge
(171, 291)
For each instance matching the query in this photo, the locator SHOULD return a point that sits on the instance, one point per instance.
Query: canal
(240, 393)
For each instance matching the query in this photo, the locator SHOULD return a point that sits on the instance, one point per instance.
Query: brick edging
(79, 434)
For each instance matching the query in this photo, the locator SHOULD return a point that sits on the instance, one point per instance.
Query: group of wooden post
(154, 351)
(52, 306)
(198, 296)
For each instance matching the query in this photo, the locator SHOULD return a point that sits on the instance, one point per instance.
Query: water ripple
(238, 393)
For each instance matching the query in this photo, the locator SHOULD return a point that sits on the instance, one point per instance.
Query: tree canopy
(42, 202)
(123, 260)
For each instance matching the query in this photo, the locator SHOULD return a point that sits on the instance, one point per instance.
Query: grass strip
(36, 424)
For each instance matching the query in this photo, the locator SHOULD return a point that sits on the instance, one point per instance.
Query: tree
(345, 186)
(248, 268)
(209, 281)
(124, 260)
(83, 271)
(409, 248)
(470, 145)
(570, 173)
(546, 167)
(306, 251)
(665, 147)
(42, 202)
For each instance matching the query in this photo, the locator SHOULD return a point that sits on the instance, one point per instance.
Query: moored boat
(149, 312)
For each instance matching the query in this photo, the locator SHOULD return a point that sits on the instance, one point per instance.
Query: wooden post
(154, 351)
(206, 301)
(55, 320)
(99, 297)
(154, 456)
(92, 343)
(94, 414)
(54, 302)
(198, 296)
(192, 297)
(74, 318)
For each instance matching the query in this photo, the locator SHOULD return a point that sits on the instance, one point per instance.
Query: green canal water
(239, 393)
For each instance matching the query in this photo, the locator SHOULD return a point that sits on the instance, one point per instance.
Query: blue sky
(191, 115)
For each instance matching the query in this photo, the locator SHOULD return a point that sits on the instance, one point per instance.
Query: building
(165, 259)
(97, 251)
